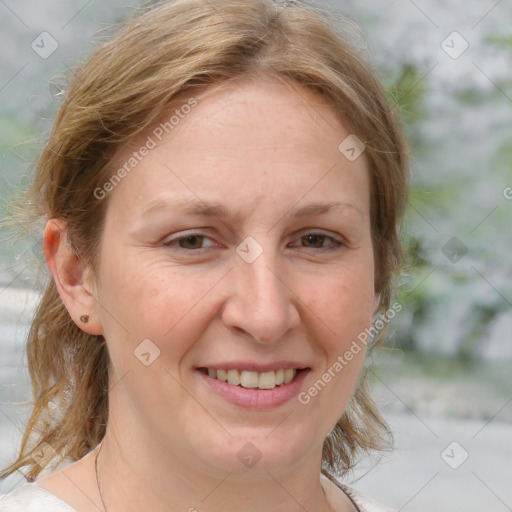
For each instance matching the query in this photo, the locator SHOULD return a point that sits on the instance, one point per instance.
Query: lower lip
(254, 398)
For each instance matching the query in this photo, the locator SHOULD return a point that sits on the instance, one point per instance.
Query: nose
(261, 302)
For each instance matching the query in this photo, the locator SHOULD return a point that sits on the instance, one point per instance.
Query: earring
(84, 318)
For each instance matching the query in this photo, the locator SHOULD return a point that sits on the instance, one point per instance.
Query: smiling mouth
(253, 380)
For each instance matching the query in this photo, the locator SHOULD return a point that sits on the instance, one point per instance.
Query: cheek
(343, 310)
(343, 304)
(161, 304)
(155, 301)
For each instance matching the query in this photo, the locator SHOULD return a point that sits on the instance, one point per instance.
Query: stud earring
(84, 318)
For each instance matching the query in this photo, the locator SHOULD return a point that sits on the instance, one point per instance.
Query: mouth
(254, 380)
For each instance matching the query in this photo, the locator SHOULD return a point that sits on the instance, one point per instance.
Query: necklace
(98, 478)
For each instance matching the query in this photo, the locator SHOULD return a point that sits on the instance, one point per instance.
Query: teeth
(288, 375)
(247, 379)
(234, 377)
(267, 380)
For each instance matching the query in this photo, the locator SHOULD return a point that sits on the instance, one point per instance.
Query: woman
(222, 189)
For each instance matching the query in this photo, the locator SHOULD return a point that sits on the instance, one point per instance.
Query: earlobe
(69, 274)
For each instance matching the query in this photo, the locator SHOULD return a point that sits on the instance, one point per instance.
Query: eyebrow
(216, 209)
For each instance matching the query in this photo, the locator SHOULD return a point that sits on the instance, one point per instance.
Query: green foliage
(407, 92)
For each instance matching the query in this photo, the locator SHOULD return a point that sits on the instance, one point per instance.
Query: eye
(196, 241)
(192, 241)
(317, 241)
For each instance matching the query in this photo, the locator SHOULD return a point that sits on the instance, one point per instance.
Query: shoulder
(363, 503)
(360, 502)
(32, 498)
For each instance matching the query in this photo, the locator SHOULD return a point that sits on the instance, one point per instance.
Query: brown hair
(166, 52)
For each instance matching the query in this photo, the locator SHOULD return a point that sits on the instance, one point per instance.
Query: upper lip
(252, 366)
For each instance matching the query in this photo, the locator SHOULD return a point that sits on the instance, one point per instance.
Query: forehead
(247, 142)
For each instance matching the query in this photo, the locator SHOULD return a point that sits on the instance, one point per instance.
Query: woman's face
(239, 240)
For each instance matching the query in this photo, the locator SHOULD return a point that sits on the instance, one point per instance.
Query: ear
(74, 281)
(376, 302)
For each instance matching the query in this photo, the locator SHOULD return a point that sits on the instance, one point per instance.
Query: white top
(32, 498)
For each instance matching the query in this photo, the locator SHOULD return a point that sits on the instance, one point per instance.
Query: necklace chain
(98, 478)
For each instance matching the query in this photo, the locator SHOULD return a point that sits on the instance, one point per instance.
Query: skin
(263, 149)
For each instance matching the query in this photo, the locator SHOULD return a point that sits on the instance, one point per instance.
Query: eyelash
(335, 243)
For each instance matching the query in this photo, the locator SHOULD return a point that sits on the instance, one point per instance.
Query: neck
(131, 478)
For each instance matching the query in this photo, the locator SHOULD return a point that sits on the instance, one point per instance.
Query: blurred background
(444, 376)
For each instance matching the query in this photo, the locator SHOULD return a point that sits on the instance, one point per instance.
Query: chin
(252, 450)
